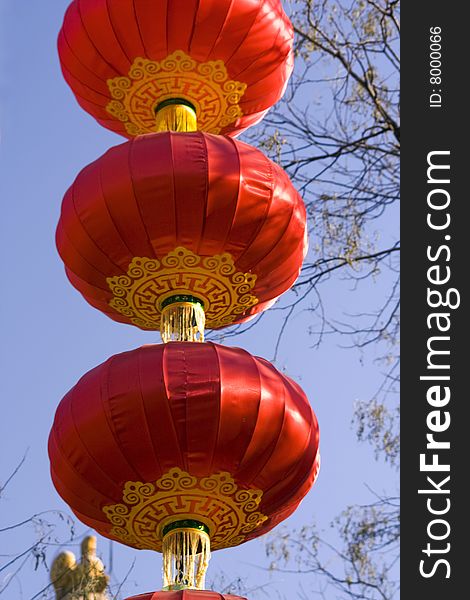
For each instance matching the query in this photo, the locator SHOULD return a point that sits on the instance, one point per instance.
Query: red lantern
(182, 215)
(228, 59)
(184, 432)
(186, 595)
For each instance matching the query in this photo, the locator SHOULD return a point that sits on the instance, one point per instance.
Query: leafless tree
(337, 134)
(48, 531)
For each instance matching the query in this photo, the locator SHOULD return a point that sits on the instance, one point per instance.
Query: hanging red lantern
(228, 61)
(182, 445)
(192, 218)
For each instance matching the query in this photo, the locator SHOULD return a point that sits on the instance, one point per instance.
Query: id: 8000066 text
(435, 64)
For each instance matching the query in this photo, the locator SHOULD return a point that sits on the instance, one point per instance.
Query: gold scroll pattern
(230, 513)
(206, 85)
(225, 292)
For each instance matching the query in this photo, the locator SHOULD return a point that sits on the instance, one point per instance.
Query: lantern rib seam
(116, 37)
(77, 474)
(98, 106)
(265, 72)
(173, 189)
(75, 76)
(291, 471)
(186, 453)
(79, 12)
(313, 430)
(84, 229)
(108, 211)
(118, 40)
(216, 41)
(258, 408)
(167, 28)
(193, 26)
(169, 406)
(262, 466)
(219, 385)
(137, 24)
(206, 193)
(108, 415)
(126, 158)
(242, 41)
(92, 267)
(103, 498)
(265, 215)
(85, 448)
(134, 195)
(144, 410)
(237, 197)
(279, 240)
(238, 256)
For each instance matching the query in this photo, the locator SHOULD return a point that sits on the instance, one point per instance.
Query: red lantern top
(184, 431)
(230, 59)
(182, 214)
(186, 595)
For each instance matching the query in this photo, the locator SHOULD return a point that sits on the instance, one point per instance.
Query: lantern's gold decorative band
(228, 512)
(149, 282)
(205, 86)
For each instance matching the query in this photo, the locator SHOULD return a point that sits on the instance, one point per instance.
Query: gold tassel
(186, 555)
(182, 322)
(176, 117)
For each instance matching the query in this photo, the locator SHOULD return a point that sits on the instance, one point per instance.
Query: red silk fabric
(210, 194)
(204, 408)
(185, 595)
(100, 40)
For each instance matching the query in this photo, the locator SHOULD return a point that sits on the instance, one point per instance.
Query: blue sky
(50, 336)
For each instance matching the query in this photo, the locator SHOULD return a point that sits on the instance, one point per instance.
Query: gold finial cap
(175, 114)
